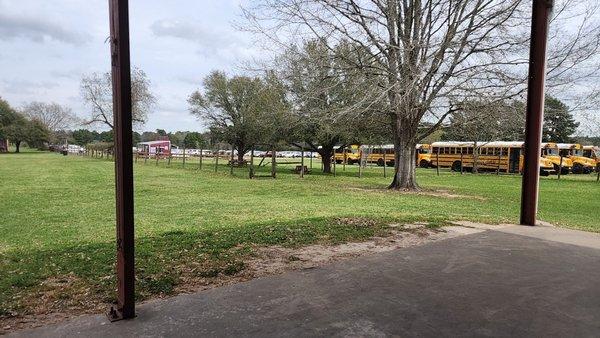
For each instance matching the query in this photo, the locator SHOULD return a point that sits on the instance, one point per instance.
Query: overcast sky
(46, 46)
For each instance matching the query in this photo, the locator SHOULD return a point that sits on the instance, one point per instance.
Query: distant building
(152, 148)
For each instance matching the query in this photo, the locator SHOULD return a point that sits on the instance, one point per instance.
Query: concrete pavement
(514, 281)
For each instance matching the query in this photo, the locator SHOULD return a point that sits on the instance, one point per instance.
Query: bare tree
(96, 91)
(484, 121)
(52, 115)
(430, 53)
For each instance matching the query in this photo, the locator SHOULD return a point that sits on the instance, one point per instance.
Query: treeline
(19, 128)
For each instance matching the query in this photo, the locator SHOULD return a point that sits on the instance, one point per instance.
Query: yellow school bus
(592, 152)
(348, 155)
(424, 155)
(380, 154)
(503, 156)
(574, 152)
(551, 152)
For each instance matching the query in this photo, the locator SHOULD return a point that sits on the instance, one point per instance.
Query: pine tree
(559, 123)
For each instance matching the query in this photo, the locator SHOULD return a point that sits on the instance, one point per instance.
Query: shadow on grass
(87, 270)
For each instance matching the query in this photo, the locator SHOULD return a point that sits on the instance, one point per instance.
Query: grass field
(57, 219)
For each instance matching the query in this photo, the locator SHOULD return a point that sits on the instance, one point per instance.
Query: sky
(46, 47)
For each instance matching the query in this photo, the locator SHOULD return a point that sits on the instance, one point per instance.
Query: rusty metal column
(535, 110)
(121, 83)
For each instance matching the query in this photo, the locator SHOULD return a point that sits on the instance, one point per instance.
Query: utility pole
(121, 85)
(541, 13)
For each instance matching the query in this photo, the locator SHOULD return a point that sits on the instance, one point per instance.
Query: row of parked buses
(500, 155)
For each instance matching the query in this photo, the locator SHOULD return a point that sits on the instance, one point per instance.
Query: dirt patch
(277, 259)
(434, 193)
(58, 298)
(61, 298)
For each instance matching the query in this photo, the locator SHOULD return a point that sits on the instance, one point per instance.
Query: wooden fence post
(344, 158)
(437, 160)
(334, 163)
(499, 159)
(183, 164)
(273, 163)
(302, 161)
(384, 161)
(231, 162)
(251, 166)
(560, 166)
(217, 160)
(360, 162)
(200, 160)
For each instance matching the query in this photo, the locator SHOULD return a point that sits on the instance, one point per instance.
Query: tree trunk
(240, 156)
(17, 146)
(404, 155)
(326, 154)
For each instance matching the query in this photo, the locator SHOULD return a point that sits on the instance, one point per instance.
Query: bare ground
(61, 299)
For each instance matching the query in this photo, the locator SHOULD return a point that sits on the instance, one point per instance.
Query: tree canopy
(559, 123)
(237, 109)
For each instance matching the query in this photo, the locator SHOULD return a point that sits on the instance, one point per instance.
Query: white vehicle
(75, 149)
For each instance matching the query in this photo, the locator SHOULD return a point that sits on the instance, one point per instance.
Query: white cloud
(37, 30)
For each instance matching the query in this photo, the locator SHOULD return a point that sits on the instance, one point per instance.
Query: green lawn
(56, 219)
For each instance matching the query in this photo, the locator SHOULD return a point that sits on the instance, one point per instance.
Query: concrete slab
(489, 283)
(561, 235)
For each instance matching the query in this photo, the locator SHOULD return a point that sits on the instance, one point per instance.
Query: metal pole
(251, 167)
(121, 84)
(541, 11)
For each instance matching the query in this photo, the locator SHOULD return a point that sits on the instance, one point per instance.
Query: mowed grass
(57, 243)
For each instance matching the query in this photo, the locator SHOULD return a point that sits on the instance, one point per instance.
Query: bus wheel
(349, 161)
(577, 168)
(456, 166)
(380, 162)
(424, 164)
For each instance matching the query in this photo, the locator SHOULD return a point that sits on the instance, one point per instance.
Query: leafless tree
(96, 91)
(430, 53)
(484, 121)
(52, 115)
